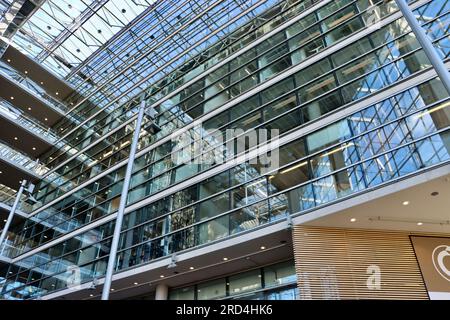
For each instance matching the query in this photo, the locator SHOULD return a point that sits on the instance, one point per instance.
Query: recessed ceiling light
(161, 276)
(46, 119)
(15, 138)
(405, 203)
(353, 220)
(225, 259)
(419, 223)
(191, 268)
(34, 148)
(112, 289)
(42, 82)
(91, 295)
(29, 109)
(1, 172)
(5, 220)
(263, 248)
(136, 283)
(57, 93)
(26, 72)
(12, 98)
(9, 60)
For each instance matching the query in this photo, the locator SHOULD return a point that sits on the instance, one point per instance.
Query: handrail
(22, 160)
(16, 116)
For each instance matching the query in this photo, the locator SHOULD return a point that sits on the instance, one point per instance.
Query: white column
(162, 292)
(123, 202)
(12, 212)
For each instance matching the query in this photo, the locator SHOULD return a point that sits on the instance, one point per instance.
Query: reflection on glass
(211, 290)
(244, 282)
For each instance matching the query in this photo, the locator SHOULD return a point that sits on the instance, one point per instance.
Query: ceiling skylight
(63, 33)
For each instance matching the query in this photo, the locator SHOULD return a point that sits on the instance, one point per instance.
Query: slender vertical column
(426, 43)
(12, 212)
(162, 292)
(123, 202)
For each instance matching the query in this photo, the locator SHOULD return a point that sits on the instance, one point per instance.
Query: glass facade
(274, 282)
(394, 138)
(208, 69)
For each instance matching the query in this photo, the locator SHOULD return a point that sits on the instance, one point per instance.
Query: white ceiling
(389, 212)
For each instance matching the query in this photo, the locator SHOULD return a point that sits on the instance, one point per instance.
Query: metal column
(123, 202)
(426, 43)
(12, 212)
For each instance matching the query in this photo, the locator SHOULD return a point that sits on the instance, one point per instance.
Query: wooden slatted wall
(333, 263)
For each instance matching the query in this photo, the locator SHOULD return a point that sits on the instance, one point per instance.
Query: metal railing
(22, 160)
(16, 116)
(7, 196)
(30, 86)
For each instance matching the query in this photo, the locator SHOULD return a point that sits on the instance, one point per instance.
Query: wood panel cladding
(334, 263)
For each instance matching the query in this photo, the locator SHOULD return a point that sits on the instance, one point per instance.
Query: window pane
(289, 177)
(312, 72)
(279, 274)
(245, 282)
(351, 52)
(321, 106)
(277, 90)
(212, 230)
(214, 206)
(328, 136)
(214, 185)
(182, 294)
(211, 290)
